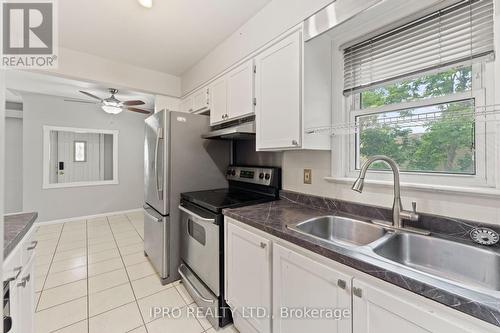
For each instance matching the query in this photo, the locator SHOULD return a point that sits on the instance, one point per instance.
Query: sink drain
(484, 236)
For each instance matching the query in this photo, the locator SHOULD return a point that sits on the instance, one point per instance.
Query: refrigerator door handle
(157, 219)
(159, 189)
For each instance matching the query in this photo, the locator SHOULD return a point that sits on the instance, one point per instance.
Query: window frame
(483, 94)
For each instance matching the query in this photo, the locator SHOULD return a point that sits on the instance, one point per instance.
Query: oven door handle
(203, 219)
(198, 294)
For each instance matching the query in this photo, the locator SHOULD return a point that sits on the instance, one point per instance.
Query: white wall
(62, 203)
(87, 67)
(274, 19)
(13, 171)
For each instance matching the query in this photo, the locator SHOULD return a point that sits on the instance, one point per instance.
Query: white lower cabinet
(299, 284)
(26, 292)
(301, 281)
(248, 278)
(377, 310)
(19, 270)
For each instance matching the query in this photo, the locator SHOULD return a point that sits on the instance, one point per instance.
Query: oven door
(200, 244)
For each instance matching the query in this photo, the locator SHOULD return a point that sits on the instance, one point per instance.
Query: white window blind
(456, 34)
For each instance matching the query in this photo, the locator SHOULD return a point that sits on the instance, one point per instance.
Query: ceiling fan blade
(131, 103)
(80, 101)
(138, 110)
(90, 95)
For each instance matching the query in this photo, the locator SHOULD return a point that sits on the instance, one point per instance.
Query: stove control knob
(268, 176)
(261, 175)
(233, 173)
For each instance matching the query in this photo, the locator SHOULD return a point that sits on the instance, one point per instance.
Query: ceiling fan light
(146, 3)
(112, 109)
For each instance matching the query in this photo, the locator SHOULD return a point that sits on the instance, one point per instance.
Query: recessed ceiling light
(146, 3)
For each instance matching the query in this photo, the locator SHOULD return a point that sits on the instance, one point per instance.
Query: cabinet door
(278, 92)
(200, 100)
(187, 104)
(15, 307)
(218, 101)
(301, 283)
(380, 311)
(240, 91)
(248, 268)
(26, 294)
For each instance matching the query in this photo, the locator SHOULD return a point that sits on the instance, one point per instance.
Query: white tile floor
(92, 276)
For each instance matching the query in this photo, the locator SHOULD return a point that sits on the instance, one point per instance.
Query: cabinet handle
(24, 281)
(341, 283)
(263, 245)
(357, 292)
(33, 245)
(18, 271)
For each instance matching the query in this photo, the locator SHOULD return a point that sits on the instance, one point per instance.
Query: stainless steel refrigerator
(176, 160)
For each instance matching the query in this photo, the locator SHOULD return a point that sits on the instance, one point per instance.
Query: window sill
(456, 190)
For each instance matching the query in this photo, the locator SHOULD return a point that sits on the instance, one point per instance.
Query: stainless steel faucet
(398, 213)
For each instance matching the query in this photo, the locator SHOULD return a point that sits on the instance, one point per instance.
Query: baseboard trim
(79, 218)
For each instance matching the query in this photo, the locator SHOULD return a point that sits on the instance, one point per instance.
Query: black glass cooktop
(217, 200)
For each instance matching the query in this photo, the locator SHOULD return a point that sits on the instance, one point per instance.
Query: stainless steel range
(202, 233)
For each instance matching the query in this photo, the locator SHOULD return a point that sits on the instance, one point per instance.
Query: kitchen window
(414, 93)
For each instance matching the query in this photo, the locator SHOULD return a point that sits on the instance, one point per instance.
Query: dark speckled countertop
(15, 227)
(273, 217)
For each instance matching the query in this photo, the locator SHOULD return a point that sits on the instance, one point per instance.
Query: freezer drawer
(156, 240)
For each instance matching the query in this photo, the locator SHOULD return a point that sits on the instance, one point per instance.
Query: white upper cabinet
(240, 91)
(248, 276)
(201, 101)
(299, 282)
(186, 104)
(231, 96)
(197, 102)
(218, 100)
(278, 93)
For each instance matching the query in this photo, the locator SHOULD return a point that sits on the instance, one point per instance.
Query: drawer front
(28, 248)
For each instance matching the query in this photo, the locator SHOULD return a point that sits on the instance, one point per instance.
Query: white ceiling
(21, 81)
(170, 37)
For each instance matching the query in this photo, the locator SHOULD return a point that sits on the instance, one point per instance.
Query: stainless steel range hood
(232, 131)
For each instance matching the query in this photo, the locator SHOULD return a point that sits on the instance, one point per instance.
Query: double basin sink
(468, 266)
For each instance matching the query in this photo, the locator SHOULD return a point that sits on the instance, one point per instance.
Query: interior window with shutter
(413, 92)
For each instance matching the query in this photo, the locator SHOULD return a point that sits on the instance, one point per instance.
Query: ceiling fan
(112, 104)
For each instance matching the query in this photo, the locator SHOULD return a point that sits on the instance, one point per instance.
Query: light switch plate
(307, 176)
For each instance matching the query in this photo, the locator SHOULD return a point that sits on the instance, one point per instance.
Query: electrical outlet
(307, 176)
